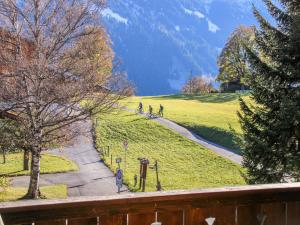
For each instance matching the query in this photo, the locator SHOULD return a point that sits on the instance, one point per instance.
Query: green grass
(3, 182)
(183, 164)
(212, 116)
(49, 192)
(49, 164)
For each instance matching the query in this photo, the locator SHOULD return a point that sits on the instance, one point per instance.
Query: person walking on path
(161, 110)
(150, 111)
(140, 108)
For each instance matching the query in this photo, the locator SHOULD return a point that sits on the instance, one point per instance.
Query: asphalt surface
(93, 177)
(220, 150)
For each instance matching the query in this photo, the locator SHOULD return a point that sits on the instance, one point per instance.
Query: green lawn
(49, 192)
(213, 116)
(3, 182)
(49, 164)
(183, 164)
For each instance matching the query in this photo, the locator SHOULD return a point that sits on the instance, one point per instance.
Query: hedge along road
(92, 179)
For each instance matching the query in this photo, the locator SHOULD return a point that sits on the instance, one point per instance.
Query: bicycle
(139, 111)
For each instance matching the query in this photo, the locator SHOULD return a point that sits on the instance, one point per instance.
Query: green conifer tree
(271, 124)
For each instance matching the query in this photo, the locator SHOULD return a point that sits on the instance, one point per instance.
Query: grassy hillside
(182, 163)
(212, 116)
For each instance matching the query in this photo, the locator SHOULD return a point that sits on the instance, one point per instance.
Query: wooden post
(144, 177)
(141, 175)
(111, 159)
(125, 162)
(158, 185)
(125, 145)
(108, 150)
(26, 159)
(135, 180)
(141, 172)
(145, 163)
(4, 155)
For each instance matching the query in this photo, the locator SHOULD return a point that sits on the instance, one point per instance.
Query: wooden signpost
(155, 167)
(135, 180)
(125, 145)
(143, 172)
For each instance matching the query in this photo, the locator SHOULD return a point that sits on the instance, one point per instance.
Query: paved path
(226, 153)
(220, 150)
(93, 177)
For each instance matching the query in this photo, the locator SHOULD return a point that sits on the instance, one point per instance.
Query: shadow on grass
(138, 119)
(26, 197)
(207, 98)
(130, 114)
(228, 139)
(141, 117)
(14, 173)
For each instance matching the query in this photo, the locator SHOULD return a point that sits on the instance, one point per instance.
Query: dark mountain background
(160, 42)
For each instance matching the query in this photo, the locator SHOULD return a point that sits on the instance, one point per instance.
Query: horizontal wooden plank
(52, 222)
(124, 208)
(150, 198)
(91, 207)
(89, 221)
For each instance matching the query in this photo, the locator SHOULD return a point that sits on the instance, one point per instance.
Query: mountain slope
(161, 41)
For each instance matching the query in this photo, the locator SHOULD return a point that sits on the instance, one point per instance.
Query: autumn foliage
(197, 85)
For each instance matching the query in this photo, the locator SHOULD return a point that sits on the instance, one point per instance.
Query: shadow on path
(92, 179)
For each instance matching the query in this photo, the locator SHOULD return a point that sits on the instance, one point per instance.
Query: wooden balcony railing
(277, 204)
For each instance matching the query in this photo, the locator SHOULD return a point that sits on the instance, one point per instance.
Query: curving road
(220, 150)
(92, 179)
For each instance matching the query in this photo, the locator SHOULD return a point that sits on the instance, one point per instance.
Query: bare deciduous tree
(55, 69)
(197, 85)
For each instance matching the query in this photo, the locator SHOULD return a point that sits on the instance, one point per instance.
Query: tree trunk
(26, 159)
(4, 156)
(33, 190)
